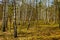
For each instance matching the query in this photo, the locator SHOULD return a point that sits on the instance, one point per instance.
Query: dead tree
(5, 15)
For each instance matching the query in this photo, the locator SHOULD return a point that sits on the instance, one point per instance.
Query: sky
(38, 0)
(0, 0)
(50, 1)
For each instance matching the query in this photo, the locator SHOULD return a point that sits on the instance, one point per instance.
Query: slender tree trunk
(5, 15)
(57, 2)
(29, 19)
(59, 14)
(14, 23)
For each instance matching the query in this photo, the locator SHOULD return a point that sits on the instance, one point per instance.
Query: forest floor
(35, 32)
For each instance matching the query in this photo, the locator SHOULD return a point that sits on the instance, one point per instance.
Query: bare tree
(14, 22)
(57, 5)
(30, 12)
(5, 15)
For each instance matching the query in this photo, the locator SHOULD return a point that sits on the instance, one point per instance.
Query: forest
(30, 20)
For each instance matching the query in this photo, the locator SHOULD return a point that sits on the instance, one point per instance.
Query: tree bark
(14, 22)
(5, 15)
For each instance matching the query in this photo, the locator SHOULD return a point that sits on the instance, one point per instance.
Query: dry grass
(35, 32)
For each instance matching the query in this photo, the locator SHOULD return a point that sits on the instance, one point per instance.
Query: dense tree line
(40, 11)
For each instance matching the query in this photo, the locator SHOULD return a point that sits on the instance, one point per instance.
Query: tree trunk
(5, 15)
(14, 23)
(59, 16)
